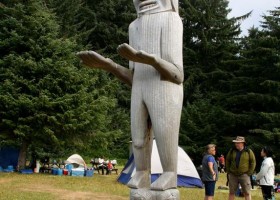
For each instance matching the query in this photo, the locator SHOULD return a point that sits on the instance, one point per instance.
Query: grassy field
(15, 186)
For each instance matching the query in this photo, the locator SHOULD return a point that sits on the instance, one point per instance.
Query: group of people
(240, 164)
(101, 164)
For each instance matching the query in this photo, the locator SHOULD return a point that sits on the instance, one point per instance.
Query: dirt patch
(62, 194)
(5, 180)
(89, 195)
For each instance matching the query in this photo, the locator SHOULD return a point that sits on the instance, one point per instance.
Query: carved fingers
(128, 52)
(93, 59)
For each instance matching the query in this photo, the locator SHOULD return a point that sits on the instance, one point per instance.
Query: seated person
(102, 165)
(114, 163)
(109, 167)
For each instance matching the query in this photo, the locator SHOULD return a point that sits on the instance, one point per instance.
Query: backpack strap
(230, 155)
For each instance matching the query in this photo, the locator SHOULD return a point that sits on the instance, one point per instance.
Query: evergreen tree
(110, 27)
(46, 101)
(210, 52)
(256, 84)
(109, 30)
(102, 26)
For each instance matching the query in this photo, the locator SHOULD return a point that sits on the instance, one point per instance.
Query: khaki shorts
(244, 181)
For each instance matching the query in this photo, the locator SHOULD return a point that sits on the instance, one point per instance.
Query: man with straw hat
(240, 165)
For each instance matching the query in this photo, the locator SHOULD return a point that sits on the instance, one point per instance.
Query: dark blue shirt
(237, 158)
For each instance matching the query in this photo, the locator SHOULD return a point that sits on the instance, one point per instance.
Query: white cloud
(259, 8)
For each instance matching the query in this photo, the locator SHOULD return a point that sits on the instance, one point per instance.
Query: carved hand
(95, 60)
(167, 70)
(128, 52)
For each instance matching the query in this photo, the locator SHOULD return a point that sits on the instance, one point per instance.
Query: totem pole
(155, 74)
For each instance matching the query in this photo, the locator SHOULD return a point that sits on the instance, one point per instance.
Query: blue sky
(259, 7)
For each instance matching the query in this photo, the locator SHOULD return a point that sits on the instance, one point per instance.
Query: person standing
(266, 174)
(209, 171)
(240, 165)
(222, 163)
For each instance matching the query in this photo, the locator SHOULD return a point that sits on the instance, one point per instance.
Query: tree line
(51, 105)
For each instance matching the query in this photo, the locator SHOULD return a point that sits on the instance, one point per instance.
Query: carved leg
(142, 145)
(142, 159)
(168, 152)
(166, 117)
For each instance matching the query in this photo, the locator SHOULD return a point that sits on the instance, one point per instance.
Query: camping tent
(8, 156)
(187, 175)
(76, 159)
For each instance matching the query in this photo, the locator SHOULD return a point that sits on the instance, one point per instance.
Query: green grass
(17, 186)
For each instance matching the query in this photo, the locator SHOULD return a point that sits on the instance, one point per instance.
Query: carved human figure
(156, 75)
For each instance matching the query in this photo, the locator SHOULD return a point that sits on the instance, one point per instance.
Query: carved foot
(146, 194)
(172, 194)
(141, 179)
(166, 181)
(140, 194)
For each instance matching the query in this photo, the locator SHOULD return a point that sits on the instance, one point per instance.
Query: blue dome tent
(186, 171)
